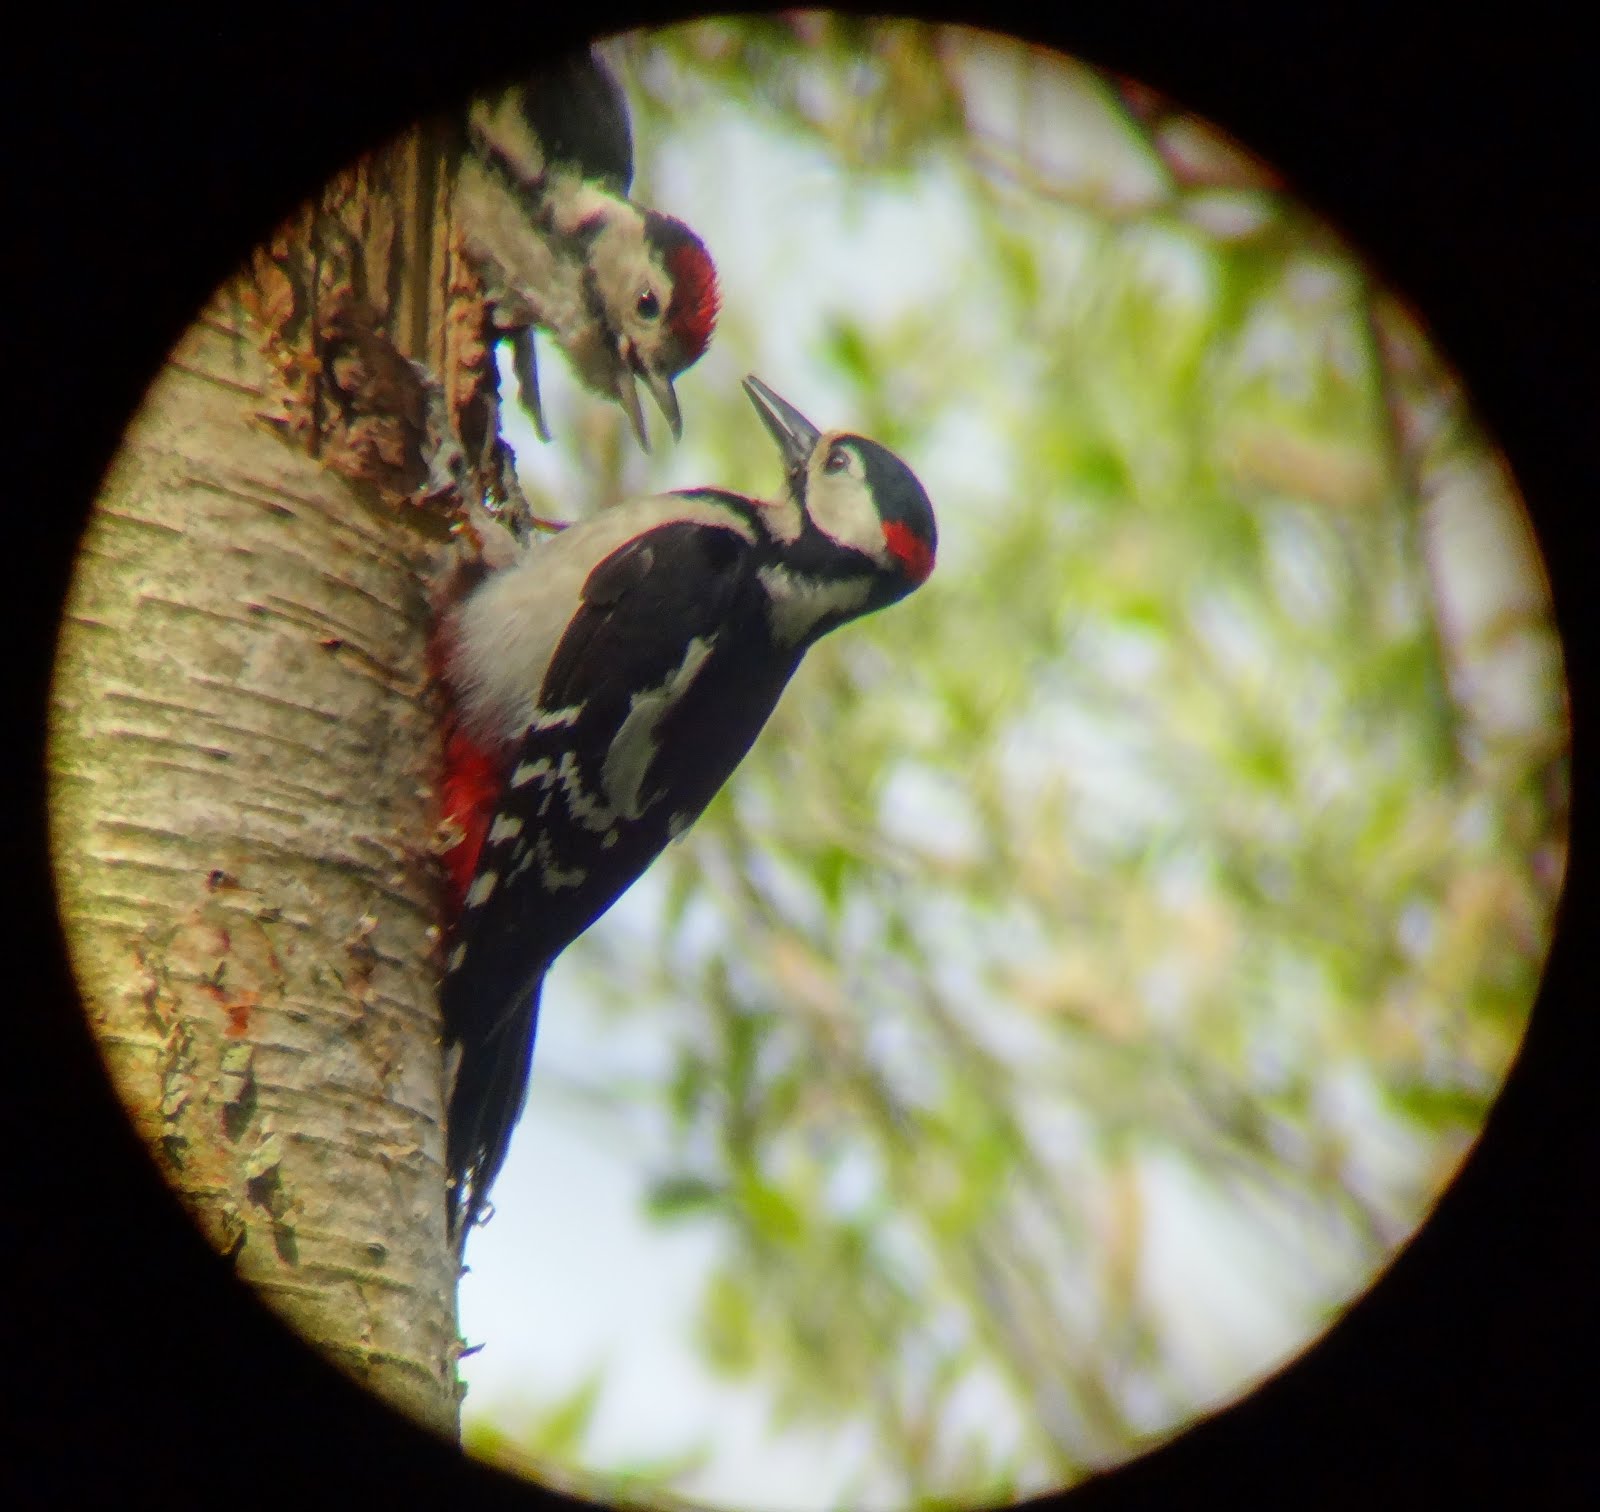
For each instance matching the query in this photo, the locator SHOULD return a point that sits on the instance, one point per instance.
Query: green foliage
(552, 1440)
(1170, 829)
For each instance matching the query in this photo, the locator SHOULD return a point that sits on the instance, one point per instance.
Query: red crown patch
(692, 314)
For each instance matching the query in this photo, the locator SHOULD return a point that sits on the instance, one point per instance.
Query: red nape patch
(695, 300)
(914, 553)
(467, 797)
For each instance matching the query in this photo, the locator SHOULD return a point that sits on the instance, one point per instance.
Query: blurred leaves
(1182, 842)
(552, 1439)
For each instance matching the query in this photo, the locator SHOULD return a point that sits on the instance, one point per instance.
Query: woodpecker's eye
(648, 305)
(838, 460)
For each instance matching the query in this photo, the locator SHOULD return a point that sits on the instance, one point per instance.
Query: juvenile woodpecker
(541, 200)
(605, 685)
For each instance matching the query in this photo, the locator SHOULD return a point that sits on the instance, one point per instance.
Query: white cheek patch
(634, 746)
(621, 263)
(840, 505)
(797, 604)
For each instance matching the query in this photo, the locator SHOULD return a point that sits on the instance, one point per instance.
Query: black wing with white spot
(656, 690)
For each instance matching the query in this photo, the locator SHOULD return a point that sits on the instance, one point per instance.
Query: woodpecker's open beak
(628, 398)
(630, 370)
(660, 387)
(796, 436)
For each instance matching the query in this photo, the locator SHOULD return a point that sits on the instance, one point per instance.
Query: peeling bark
(242, 751)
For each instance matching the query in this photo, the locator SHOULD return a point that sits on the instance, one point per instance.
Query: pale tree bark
(242, 748)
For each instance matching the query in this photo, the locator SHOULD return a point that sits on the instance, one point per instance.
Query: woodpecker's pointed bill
(630, 368)
(796, 436)
(661, 390)
(628, 398)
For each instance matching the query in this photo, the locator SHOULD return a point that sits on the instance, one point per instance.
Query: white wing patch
(556, 719)
(505, 827)
(589, 812)
(531, 771)
(565, 777)
(796, 604)
(552, 875)
(634, 746)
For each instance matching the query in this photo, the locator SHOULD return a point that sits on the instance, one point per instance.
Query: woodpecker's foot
(504, 499)
(442, 451)
(479, 544)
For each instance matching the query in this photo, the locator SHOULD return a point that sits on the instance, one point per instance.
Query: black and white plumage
(612, 678)
(541, 199)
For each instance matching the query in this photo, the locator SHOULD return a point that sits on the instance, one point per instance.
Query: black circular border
(150, 153)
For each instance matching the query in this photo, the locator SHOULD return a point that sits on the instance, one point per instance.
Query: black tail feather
(485, 1104)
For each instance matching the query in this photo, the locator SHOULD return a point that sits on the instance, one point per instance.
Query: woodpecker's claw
(525, 364)
(796, 436)
(628, 398)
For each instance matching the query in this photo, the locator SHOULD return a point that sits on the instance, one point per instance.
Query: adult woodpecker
(541, 198)
(605, 685)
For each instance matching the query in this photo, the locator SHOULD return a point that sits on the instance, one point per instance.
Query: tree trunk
(242, 749)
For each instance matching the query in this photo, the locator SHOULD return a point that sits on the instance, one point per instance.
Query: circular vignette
(1488, 1180)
